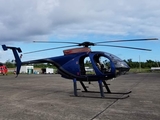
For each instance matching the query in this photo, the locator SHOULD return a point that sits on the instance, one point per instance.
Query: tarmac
(50, 97)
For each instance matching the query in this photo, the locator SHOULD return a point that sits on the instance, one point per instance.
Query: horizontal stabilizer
(15, 48)
(4, 47)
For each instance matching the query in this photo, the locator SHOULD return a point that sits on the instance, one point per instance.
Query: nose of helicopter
(121, 67)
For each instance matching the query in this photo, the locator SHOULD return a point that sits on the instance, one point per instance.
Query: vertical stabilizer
(15, 53)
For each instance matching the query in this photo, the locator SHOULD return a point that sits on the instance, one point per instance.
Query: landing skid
(112, 93)
(124, 93)
(102, 93)
(122, 97)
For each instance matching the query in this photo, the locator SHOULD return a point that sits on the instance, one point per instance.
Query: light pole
(139, 63)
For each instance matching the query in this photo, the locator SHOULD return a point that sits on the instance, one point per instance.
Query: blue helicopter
(105, 66)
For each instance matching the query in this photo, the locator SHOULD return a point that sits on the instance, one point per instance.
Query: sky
(25, 21)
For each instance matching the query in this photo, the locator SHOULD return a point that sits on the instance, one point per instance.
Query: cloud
(21, 20)
(28, 20)
(4, 56)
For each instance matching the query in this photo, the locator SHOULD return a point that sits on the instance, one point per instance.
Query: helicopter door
(82, 66)
(86, 67)
(103, 63)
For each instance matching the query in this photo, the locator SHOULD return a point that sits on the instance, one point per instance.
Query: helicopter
(71, 65)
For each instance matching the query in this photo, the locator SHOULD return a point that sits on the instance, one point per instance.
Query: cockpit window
(88, 66)
(119, 63)
(113, 57)
(102, 63)
(105, 64)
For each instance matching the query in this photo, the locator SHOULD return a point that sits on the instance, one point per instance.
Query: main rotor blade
(49, 49)
(126, 47)
(55, 42)
(132, 40)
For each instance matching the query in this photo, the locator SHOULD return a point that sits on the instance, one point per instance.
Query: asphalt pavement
(50, 97)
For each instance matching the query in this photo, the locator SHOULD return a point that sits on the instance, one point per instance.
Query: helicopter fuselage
(104, 65)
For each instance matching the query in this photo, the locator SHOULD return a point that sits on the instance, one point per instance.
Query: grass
(142, 70)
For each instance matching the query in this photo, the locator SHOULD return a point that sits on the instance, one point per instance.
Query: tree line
(147, 64)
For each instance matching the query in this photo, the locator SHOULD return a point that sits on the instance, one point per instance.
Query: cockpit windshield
(119, 63)
(113, 57)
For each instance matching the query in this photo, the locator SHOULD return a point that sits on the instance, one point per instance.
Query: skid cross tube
(106, 86)
(84, 87)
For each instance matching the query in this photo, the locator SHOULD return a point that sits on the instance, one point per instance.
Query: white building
(48, 70)
(27, 69)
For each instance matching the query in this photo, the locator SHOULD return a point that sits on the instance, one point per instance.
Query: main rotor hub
(86, 44)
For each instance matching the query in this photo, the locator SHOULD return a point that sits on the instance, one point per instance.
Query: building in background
(47, 70)
(27, 69)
